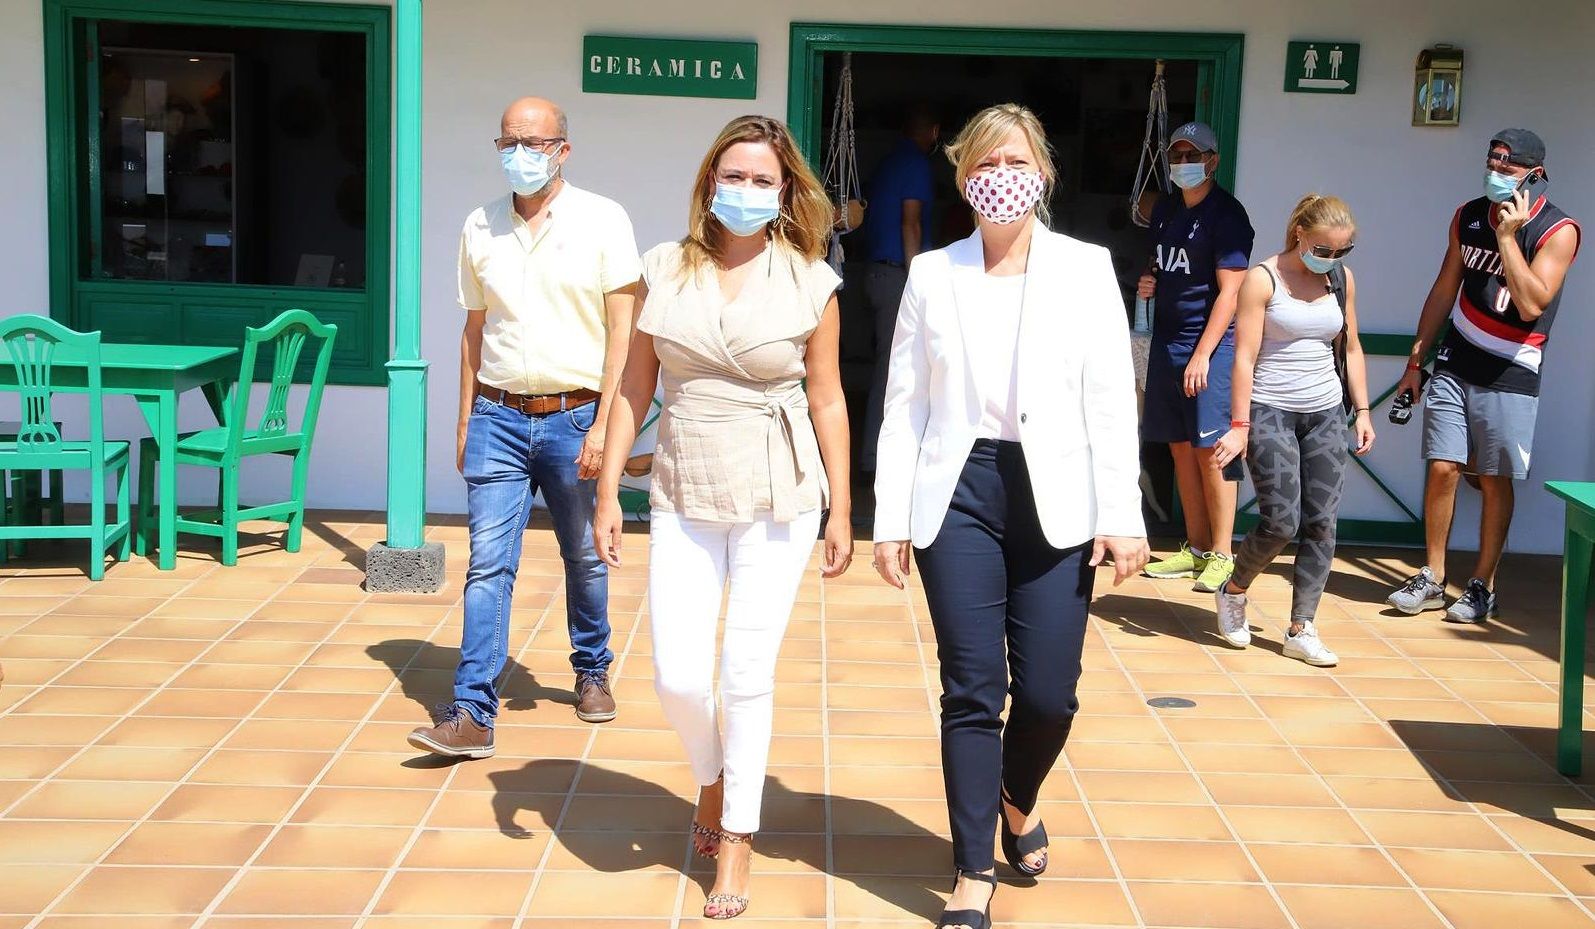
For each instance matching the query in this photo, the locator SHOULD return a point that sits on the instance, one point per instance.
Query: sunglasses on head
(1324, 251)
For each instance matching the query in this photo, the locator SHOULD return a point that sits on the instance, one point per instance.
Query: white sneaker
(1231, 609)
(1307, 646)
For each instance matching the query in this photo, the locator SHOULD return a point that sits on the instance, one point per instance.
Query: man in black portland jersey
(1499, 287)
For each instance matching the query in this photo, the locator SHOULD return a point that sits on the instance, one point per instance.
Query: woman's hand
(891, 563)
(1130, 555)
(1231, 446)
(608, 525)
(1364, 429)
(838, 545)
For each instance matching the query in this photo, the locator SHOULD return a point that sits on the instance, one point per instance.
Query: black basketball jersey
(1490, 343)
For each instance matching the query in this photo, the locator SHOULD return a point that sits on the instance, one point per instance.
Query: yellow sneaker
(1185, 563)
(1217, 571)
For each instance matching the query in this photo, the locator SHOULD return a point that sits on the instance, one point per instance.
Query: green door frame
(1218, 57)
(361, 314)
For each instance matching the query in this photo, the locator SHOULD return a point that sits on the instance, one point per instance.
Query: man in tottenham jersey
(1499, 287)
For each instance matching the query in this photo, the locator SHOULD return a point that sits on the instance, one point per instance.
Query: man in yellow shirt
(547, 278)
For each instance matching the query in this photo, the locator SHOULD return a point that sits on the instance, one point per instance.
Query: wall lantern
(1437, 87)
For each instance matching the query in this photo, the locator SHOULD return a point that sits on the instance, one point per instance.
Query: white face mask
(1004, 195)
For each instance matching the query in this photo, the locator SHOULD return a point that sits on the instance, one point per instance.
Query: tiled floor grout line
(307, 790)
(116, 719)
(1089, 809)
(825, 753)
(1446, 782)
(1323, 781)
(176, 785)
(557, 826)
(1195, 775)
(419, 829)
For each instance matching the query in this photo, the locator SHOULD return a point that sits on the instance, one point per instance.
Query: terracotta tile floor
(225, 747)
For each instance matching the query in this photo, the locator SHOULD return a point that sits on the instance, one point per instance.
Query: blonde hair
(988, 130)
(806, 211)
(1315, 211)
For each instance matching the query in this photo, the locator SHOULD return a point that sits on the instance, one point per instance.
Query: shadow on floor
(518, 687)
(649, 847)
(1509, 768)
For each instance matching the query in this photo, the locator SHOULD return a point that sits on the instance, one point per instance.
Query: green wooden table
(1578, 552)
(154, 376)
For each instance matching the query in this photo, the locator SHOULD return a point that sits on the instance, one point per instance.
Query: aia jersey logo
(1172, 258)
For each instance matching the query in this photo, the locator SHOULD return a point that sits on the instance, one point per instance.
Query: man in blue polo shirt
(896, 228)
(1202, 242)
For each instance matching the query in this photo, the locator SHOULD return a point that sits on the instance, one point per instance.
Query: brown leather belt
(539, 404)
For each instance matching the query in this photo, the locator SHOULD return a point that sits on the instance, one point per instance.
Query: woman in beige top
(739, 324)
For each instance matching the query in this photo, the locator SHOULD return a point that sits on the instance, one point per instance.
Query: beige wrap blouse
(735, 440)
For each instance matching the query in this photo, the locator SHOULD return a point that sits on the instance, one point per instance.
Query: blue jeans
(509, 457)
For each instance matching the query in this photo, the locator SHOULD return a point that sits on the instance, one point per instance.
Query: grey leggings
(1298, 465)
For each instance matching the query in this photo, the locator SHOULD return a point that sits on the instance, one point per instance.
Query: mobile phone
(1534, 184)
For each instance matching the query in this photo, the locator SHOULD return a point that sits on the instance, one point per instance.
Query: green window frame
(204, 313)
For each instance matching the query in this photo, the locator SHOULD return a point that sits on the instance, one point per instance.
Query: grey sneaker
(1476, 604)
(1421, 592)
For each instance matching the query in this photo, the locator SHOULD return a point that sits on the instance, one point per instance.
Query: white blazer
(1077, 405)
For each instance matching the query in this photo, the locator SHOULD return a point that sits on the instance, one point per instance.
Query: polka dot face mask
(1003, 195)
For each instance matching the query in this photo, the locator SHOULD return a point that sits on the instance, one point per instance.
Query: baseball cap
(1202, 137)
(1525, 148)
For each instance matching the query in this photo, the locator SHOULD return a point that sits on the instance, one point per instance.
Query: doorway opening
(1090, 91)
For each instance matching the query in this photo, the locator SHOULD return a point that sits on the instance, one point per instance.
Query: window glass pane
(226, 155)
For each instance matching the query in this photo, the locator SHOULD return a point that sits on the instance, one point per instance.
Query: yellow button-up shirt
(544, 292)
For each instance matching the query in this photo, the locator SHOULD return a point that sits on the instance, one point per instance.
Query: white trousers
(689, 563)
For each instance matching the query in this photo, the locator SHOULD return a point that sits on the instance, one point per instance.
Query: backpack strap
(1337, 286)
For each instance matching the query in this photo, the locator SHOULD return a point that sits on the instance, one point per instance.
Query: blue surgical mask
(527, 171)
(745, 210)
(1319, 265)
(1188, 174)
(1499, 187)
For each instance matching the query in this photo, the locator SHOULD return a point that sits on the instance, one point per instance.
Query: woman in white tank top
(1287, 325)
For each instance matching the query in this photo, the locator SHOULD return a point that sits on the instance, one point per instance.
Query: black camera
(1401, 407)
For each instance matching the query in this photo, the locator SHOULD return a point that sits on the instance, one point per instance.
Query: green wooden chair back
(284, 339)
(33, 344)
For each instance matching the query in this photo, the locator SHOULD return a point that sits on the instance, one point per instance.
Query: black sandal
(976, 919)
(1016, 847)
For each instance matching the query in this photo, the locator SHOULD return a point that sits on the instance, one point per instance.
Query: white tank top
(1296, 365)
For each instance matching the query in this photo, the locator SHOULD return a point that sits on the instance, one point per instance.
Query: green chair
(32, 343)
(27, 494)
(225, 447)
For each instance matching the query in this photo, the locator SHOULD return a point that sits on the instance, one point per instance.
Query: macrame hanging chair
(1152, 174)
(842, 180)
(1151, 182)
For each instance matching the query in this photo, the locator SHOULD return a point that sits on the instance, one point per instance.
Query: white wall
(1403, 182)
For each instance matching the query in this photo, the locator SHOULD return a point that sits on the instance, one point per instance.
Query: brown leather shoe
(594, 702)
(457, 735)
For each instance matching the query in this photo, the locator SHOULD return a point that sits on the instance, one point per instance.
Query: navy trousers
(1010, 616)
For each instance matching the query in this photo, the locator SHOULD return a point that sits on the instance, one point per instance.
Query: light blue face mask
(1319, 265)
(745, 210)
(1188, 174)
(527, 171)
(1498, 187)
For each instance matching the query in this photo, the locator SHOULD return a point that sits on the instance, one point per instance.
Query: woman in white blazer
(1009, 461)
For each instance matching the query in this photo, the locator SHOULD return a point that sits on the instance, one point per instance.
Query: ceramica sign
(669, 67)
